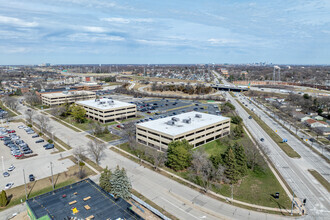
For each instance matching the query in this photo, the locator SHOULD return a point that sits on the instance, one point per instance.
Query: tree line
(199, 89)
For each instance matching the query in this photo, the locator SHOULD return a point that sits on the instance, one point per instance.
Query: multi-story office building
(106, 109)
(197, 128)
(52, 99)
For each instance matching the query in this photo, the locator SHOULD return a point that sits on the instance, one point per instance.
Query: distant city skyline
(164, 32)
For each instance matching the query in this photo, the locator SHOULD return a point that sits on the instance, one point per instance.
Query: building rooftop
(67, 93)
(179, 126)
(101, 205)
(56, 90)
(104, 103)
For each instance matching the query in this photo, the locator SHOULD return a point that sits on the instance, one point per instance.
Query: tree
(238, 131)
(58, 110)
(96, 149)
(42, 121)
(79, 153)
(231, 171)
(3, 198)
(241, 160)
(78, 113)
(158, 158)
(179, 155)
(236, 120)
(120, 184)
(29, 114)
(105, 179)
(95, 127)
(201, 168)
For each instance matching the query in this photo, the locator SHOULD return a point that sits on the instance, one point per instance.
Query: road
(303, 136)
(180, 200)
(293, 171)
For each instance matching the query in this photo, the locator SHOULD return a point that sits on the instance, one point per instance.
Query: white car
(11, 168)
(21, 126)
(9, 185)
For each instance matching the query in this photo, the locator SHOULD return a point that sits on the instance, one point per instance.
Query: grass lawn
(321, 179)
(11, 113)
(108, 137)
(284, 146)
(41, 186)
(84, 126)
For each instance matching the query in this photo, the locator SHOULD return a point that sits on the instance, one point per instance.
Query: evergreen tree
(3, 199)
(179, 155)
(231, 171)
(241, 160)
(105, 179)
(238, 131)
(120, 184)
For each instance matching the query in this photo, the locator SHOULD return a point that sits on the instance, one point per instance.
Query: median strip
(321, 179)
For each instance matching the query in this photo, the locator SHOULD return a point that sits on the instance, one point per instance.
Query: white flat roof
(105, 106)
(69, 93)
(181, 127)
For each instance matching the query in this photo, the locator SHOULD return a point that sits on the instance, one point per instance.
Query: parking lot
(38, 165)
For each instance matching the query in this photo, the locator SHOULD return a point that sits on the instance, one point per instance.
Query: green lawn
(108, 137)
(321, 179)
(214, 147)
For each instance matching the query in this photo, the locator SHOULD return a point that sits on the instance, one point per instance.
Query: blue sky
(152, 31)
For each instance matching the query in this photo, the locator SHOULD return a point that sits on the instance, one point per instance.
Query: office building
(52, 99)
(197, 128)
(106, 109)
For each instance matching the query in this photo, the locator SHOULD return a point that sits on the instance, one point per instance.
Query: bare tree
(29, 115)
(11, 102)
(58, 110)
(79, 153)
(96, 149)
(254, 157)
(31, 98)
(43, 122)
(95, 127)
(158, 158)
(202, 168)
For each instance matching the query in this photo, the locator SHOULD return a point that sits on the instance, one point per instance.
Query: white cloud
(84, 37)
(94, 29)
(219, 41)
(16, 22)
(127, 20)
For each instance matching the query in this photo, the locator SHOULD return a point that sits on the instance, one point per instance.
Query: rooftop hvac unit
(170, 122)
(65, 92)
(187, 120)
(110, 102)
(198, 116)
(175, 119)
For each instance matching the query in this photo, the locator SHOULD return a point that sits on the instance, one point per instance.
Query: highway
(293, 171)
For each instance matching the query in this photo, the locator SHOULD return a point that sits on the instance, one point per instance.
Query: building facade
(106, 109)
(197, 128)
(52, 99)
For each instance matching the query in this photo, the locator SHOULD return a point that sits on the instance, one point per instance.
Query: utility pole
(26, 197)
(51, 170)
(292, 203)
(3, 165)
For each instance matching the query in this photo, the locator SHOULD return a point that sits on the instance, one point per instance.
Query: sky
(164, 32)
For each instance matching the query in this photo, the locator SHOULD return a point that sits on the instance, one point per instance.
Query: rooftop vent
(198, 116)
(65, 92)
(175, 119)
(187, 120)
(170, 122)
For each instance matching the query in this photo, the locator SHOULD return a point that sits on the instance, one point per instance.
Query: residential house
(313, 123)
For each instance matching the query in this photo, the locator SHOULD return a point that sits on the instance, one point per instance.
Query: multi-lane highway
(294, 171)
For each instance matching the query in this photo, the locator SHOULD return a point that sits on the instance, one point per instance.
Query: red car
(118, 126)
(19, 155)
(11, 131)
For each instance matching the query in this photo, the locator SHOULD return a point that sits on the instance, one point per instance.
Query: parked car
(40, 141)
(9, 185)
(11, 131)
(31, 177)
(49, 146)
(35, 136)
(11, 168)
(30, 132)
(262, 139)
(250, 117)
(6, 174)
(21, 126)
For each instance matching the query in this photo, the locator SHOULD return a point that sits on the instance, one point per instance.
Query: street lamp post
(51, 170)
(3, 165)
(26, 197)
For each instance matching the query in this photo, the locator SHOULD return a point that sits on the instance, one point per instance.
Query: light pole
(51, 170)
(26, 197)
(3, 165)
